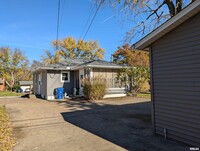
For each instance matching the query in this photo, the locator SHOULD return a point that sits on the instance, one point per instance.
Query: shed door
(39, 83)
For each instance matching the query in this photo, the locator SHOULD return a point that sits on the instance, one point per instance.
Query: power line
(58, 21)
(86, 23)
(62, 13)
(93, 18)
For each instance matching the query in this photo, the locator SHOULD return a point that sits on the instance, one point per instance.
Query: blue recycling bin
(59, 93)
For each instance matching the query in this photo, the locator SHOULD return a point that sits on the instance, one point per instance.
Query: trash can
(59, 93)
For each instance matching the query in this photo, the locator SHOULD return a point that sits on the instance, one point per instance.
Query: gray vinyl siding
(35, 81)
(54, 81)
(43, 84)
(175, 64)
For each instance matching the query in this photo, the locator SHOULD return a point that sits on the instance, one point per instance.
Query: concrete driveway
(110, 125)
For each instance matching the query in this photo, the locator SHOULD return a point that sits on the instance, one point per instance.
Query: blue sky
(31, 25)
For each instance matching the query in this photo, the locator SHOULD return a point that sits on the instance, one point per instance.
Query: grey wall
(176, 83)
(54, 81)
(43, 84)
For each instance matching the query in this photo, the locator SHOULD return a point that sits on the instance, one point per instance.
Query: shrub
(134, 78)
(94, 89)
(15, 87)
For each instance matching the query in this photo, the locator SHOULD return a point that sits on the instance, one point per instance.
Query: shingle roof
(67, 63)
(75, 64)
(100, 63)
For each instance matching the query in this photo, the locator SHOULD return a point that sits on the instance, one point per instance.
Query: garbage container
(59, 93)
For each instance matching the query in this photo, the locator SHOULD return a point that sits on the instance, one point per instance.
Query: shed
(175, 75)
(26, 85)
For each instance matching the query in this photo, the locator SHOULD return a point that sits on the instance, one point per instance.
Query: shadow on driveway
(127, 125)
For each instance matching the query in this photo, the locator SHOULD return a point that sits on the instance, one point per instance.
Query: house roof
(168, 26)
(74, 64)
(63, 65)
(25, 82)
(99, 64)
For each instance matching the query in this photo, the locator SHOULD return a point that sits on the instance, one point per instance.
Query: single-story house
(2, 84)
(24, 85)
(175, 75)
(69, 73)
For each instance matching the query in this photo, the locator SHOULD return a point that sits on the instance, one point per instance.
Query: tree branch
(155, 11)
(179, 4)
(171, 7)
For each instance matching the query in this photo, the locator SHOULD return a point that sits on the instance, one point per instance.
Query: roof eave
(50, 68)
(98, 66)
(109, 67)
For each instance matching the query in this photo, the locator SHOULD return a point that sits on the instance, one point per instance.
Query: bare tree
(146, 14)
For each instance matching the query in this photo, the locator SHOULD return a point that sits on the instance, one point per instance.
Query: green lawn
(144, 95)
(9, 93)
(7, 141)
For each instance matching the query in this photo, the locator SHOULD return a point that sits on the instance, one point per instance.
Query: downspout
(152, 88)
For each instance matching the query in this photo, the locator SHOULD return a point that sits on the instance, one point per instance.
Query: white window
(65, 76)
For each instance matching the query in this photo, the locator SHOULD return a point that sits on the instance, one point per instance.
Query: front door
(81, 77)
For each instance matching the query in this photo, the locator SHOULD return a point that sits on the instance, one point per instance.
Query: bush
(15, 87)
(94, 89)
(134, 78)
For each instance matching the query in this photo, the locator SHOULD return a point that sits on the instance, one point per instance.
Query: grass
(145, 95)
(7, 141)
(9, 93)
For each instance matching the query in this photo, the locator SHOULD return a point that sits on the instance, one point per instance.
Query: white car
(27, 90)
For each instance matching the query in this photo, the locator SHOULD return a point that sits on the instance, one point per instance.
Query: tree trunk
(179, 4)
(171, 7)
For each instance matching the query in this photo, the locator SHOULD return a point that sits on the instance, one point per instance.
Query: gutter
(50, 68)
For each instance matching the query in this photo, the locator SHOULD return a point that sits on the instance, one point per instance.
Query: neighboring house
(68, 74)
(24, 85)
(2, 84)
(175, 75)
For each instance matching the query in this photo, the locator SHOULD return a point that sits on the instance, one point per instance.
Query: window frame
(61, 76)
